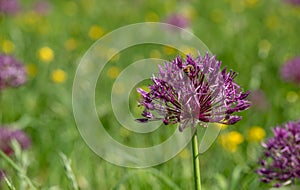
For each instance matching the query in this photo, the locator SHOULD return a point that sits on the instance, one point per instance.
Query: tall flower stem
(196, 161)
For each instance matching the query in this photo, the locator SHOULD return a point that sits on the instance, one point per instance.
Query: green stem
(196, 161)
(18, 169)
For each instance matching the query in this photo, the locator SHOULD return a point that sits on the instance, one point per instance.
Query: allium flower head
(9, 6)
(7, 135)
(291, 71)
(280, 163)
(178, 20)
(12, 72)
(191, 91)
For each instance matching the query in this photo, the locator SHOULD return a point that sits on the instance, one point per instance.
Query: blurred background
(255, 38)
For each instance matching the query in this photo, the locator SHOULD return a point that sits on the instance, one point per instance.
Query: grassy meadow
(252, 37)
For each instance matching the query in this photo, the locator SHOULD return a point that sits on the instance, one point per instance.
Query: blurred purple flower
(7, 135)
(259, 100)
(42, 7)
(294, 2)
(12, 72)
(178, 20)
(280, 163)
(291, 71)
(9, 6)
(193, 90)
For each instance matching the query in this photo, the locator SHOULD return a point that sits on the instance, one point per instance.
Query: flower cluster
(291, 71)
(191, 91)
(12, 72)
(7, 135)
(280, 164)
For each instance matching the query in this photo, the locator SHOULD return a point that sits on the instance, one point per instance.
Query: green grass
(254, 41)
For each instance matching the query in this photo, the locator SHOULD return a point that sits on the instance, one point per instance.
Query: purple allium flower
(12, 72)
(191, 91)
(280, 163)
(178, 20)
(9, 6)
(7, 135)
(291, 71)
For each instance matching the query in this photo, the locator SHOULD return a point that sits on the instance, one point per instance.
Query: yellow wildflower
(59, 76)
(292, 96)
(113, 72)
(70, 44)
(231, 140)
(256, 134)
(46, 54)
(96, 32)
(8, 46)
